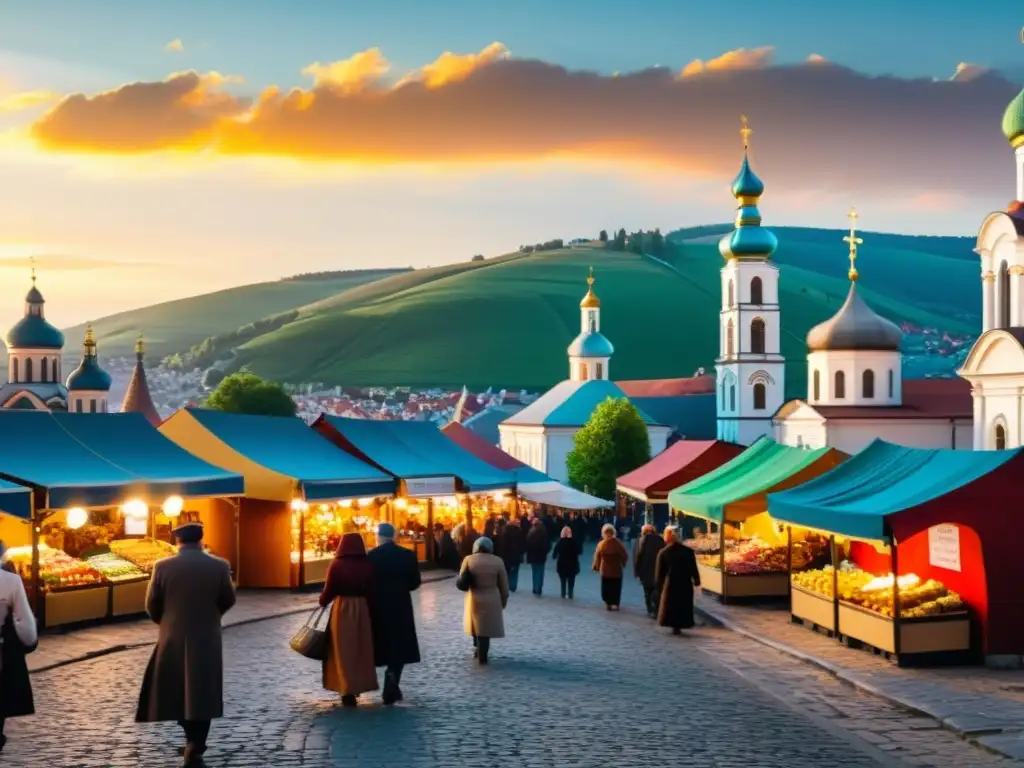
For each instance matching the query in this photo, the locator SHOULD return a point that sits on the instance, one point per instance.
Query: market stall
(448, 483)
(923, 541)
(680, 463)
(746, 554)
(105, 486)
(301, 493)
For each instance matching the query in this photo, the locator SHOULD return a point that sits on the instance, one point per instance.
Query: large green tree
(613, 442)
(246, 392)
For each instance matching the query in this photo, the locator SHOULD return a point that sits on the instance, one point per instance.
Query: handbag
(310, 640)
(465, 581)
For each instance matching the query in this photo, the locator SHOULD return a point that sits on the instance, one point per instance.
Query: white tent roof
(555, 494)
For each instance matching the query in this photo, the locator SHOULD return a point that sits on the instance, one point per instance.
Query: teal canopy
(284, 444)
(129, 441)
(413, 449)
(857, 497)
(15, 500)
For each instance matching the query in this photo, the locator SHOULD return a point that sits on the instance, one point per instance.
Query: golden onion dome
(590, 301)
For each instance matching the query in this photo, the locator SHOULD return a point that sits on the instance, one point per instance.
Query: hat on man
(386, 531)
(189, 533)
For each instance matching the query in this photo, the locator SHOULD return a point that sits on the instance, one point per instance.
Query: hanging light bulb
(173, 505)
(346, 503)
(135, 508)
(76, 517)
(401, 503)
(299, 505)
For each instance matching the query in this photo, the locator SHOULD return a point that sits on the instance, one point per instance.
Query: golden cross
(32, 261)
(590, 277)
(745, 131)
(854, 241)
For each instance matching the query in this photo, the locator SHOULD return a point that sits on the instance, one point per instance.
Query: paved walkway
(980, 704)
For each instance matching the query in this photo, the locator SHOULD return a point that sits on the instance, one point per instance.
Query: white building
(995, 365)
(34, 345)
(751, 372)
(855, 390)
(542, 434)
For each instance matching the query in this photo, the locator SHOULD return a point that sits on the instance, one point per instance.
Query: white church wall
(998, 403)
(854, 435)
(853, 365)
(37, 356)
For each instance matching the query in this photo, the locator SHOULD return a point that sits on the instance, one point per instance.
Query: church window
(600, 371)
(759, 397)
(28, 369)
(868, 384)
(1000, 437)
(728, 338)
(1003, 288)
(729, 296)
(44, 370)
(757, 336)
(14, 370)
(732, 397)
(78, 406)
(756, 291)
(892, 386)
(817, 385)
(840, 392)
(92, 405)
(583, 371)
(55, 370)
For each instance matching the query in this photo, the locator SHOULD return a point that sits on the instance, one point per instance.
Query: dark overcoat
(675, 576)
(187, 596)
(645, 558)
(15, 687)
(396, 575)
(566, 555)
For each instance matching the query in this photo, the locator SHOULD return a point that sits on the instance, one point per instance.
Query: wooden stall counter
(941, 634)
(128, 598)
(76, 604)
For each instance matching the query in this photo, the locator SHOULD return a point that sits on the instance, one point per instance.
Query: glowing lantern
(299, 505)
(401, 504)
(136, 509)
(76, 517)
(173, 506)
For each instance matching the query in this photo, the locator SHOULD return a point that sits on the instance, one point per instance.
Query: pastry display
(918, 598)
(748, 556)
(115, 569)
(142, 552)
(56, 568)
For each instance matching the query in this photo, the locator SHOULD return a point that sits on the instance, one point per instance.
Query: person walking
(188, 594)
(676, 576)
(349, 590)
(610, 560)
(567, 560)
(448, 552)
(467, 541)
(486, 597)
(513, 547)
(18, 637)
(644, 561)
(396, 575)
(537, 546)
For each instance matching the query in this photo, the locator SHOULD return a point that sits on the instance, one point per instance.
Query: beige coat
(486, 599)
(187, 596)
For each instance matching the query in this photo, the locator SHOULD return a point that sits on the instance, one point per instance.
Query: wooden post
(835, 583)
(302, 547)
(431, 543)
(895, 598)
(789, 559)
(236, 503)
(37, 585)
(721, 554)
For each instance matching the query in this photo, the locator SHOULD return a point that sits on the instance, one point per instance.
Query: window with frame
(867, 384)
(840, 388)
(756, 291)
(760, 395)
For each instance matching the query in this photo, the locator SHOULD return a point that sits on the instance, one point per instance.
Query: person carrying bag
(311, 640)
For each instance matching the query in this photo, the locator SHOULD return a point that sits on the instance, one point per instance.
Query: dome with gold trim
(1013, 121)
(89, 375)
(749, 241)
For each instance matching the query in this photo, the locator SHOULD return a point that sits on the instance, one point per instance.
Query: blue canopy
(15, 500)
(855, 498)
(285, 445)
(130, 442)
(414, 449)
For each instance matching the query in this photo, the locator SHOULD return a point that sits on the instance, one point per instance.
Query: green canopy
(735, 490)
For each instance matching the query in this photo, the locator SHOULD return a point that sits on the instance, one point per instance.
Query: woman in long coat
(349, 588)
(486, 598)
(566, 555)
(17, 637)
(676, 575)
(645, 557)
(610, 560)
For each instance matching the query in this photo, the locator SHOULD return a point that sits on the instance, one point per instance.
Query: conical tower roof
(137, 399)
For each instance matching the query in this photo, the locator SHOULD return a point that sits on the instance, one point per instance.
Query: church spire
(137, 399)
(749, 241)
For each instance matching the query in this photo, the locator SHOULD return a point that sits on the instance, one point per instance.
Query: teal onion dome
(33, 331)
(746, 183)
(1013, 121)
(748, 242)
(88, 375)
(592, 344)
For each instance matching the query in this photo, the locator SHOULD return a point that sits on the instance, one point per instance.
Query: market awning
(131, 442)
(279, 456)
(680, 463)
(15, 500)
(737, 489)
(412, 451)
(492, 454)
(857, 498)
(555, 494)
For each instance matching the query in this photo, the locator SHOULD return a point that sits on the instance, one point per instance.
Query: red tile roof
(677, 465)
(922, 399)
(473, 443)
(694, 385)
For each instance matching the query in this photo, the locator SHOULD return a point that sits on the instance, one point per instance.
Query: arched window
(729, 329)
(757, 335)
(867, 384)
(729, 296)
(78, 405)
(14, 370)
(817, 385)
(892, 386)
(1003, 290)
(600, 371)
(28, 369)
(732, 397)
(759, 397)
(840, 388)
(56, 369)
(92, 405)
(44, 370)
(583, 371)
(756, 291)
(1000, 437)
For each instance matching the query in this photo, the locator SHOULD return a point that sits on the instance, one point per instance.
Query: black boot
(348, 700)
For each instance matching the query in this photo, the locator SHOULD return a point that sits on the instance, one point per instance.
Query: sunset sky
(155, 150)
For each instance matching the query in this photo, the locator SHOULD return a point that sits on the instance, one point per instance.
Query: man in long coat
(676, 576)
(187, 596)
(397, 576)
(644, 559)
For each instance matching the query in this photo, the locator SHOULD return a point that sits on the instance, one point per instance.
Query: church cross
(854, 241)
(745, 131)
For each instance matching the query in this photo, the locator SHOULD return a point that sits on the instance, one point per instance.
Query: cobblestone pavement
(572, 686)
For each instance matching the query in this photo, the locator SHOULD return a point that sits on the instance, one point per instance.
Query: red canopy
(677, 465)
(473, 443)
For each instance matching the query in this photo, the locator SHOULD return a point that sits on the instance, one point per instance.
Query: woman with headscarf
(348, 668)
(486, 597)
(566, 555)
(18, 636)
(610, 560)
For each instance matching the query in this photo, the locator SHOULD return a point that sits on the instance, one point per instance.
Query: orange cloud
(816, 125)
(966, 72)
(816, 58)
(452, 67)
(175, 46)
(741, 58)
(18, 102)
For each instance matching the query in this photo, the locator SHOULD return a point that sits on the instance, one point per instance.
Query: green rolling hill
(507, 321)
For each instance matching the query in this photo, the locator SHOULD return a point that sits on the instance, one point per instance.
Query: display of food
(56, 568)
(917, 598)
(748, 556)
(323, 529)
(114, 568)
(142, 552)
(704, 543)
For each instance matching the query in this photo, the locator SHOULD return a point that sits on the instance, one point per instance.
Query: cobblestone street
(571, 685)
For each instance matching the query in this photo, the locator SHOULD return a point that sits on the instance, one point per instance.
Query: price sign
(944, 547)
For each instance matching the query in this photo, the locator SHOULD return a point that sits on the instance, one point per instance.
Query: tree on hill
(656, 243)
(245, 392)
(212, 377)
(478, 257)
(619, 243)
(613, 442)
(636, 242)
(603, 237)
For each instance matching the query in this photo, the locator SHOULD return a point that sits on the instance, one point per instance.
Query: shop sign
(430, 486)
(133, 526)
(944, 547)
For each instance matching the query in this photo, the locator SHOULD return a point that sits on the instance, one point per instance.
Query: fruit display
(57, 569)
(748, 556)
(704, 543)
(142, 552)
(115, 569)
(811, 551)
(323, 529)
(77, 541)
(918, 598)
